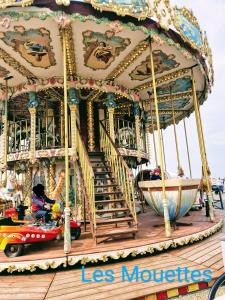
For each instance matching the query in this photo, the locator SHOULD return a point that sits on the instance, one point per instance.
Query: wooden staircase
(113, 216)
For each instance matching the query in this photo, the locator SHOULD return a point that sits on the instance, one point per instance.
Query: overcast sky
(211, 16)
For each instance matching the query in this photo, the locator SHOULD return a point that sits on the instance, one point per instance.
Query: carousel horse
(12, 192)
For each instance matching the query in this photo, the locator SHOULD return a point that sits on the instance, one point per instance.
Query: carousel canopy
(108, 51)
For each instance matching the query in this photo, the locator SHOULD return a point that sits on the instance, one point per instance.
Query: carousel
(84, 88)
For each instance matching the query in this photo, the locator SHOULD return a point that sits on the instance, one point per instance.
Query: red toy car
(15, 232)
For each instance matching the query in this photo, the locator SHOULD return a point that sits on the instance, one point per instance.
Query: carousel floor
(149, 239)
(68, 284)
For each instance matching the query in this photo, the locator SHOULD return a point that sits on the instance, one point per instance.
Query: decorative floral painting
(162, 62)
(100, 50)
(34, 45)
(189, 30)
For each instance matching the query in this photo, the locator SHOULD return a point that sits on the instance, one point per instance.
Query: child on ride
(39, 200)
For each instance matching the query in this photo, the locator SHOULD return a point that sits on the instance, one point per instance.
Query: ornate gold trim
(8, 3)
(162, 79)
(174, 97)
(128, 60)
(161, 15)
(70, 53)
(90, 123)
(122, 10)
(9, 60)
(192, 19)
(72, 260)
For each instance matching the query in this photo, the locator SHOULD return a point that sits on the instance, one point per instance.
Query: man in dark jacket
(39, 200)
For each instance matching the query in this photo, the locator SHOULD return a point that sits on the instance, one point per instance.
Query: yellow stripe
(172, 293)
(151, 297)
(193, 287)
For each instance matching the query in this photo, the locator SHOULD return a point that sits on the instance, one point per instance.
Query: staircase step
(113, 221)
(108, 193)
(103, 172)
(105, 179)
(112, 210)
(103, 169)
(96, 153)
(109, 201)
(106, 185)
(116, 232)
(98, 161)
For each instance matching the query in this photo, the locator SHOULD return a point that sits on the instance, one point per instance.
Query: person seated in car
(156, 174)
(39, 201)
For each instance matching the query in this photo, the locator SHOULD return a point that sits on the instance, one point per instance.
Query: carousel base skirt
(149, 240)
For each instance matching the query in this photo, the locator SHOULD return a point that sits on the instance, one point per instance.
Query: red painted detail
(203, 285)
(162, 296)
(183, 290)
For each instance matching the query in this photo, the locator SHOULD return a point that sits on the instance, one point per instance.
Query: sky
(211, 17)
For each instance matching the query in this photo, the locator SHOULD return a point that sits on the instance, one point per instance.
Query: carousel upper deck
(83, 92)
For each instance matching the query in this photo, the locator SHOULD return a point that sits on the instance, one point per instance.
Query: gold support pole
(187, 147)
(111, 123)
(203, 140)
(28, 186)
(202, 149)
(62, 124)
(175, 136)
(67, 235)
(5, 132)
(165, 204)
(51, 180)
(153, 135)
(73, 112)
(148, 146)
(138, 137)
(164, 155)
(32, 111)
(91, 141)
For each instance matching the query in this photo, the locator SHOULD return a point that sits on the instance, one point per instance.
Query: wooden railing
(119, 168)
(88, 178)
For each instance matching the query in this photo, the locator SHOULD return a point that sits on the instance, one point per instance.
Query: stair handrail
(120, 169)
(88, 177)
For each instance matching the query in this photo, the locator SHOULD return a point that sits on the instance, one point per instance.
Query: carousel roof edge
(180, 20)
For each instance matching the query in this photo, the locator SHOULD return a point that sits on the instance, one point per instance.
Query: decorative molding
(99, 86)
(128, 60)
(71, 260)
(172, 97)
(162, 79)
(7, 3)
(90, 125)
(9, 60)
(63, 2)
(162, 9)
(188, 27)
(71, 60)
(140, 9)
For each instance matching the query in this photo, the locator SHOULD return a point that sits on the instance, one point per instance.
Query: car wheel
(14, 250)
